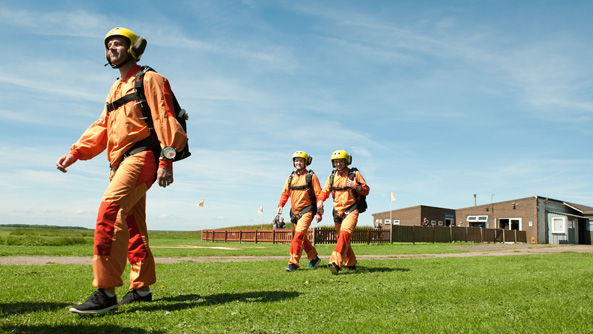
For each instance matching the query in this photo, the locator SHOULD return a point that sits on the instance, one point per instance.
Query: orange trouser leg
(120, 222)
(343, 253)
(300, 241)
(309, 248)
(142, 273)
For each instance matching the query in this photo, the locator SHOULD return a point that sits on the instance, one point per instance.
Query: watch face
(169, 153)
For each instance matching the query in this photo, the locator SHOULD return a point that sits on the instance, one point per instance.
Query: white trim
(556, 229)
(572, 207)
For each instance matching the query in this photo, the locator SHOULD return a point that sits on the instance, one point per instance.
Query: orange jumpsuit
(343, 200)
(299, 200)
(121, 221)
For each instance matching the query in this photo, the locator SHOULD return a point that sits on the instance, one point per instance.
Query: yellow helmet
(341, 154)
(304, 155)
(137, 43)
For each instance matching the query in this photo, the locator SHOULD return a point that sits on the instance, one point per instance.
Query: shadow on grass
(73, 329)
(364, 270)
(383, 270)
(193, 300)
(26, 307)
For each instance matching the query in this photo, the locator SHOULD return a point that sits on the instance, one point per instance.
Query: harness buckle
(141, 108)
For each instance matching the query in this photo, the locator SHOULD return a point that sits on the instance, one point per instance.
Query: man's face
(340, 164)
(299, 163)
(117, 48)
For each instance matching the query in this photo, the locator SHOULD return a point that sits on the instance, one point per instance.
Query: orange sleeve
(316, 186)
(160, 100)
(285, 194)
(93, 141)
(324, 193)
(365, 188)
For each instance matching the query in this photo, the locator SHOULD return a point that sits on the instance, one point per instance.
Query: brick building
(545, 220)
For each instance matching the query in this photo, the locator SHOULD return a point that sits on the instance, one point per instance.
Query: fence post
(368, 237)
(466, 230)
(240, 236)
(225, 235)
(256, 236)
(414, 235)
(434, 227)
(273, 237)
(481, 235)
(313, 235)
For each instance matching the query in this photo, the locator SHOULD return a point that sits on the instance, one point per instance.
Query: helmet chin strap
(120, 65)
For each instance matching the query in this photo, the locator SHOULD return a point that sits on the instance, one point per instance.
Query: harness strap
(140, 146)
(339, 219)
(121, 101)
(294, 219)
(340, 188)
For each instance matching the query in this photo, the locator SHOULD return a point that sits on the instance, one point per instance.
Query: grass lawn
(514, 294)
(509, 294)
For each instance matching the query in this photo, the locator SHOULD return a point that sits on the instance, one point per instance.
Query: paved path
(469, 251)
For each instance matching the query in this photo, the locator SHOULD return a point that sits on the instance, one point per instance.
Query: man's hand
(65, 161)
(320, 206)
(164, 177)
(351, 184)
(318, 218)
(279, 210)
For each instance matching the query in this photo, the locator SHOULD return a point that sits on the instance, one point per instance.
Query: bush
(39, 241)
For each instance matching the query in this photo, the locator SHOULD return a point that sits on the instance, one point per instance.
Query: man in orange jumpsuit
(135, 165)
(302, 187)
(345, 192)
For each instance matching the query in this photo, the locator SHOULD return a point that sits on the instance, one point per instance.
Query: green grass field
(509, 294)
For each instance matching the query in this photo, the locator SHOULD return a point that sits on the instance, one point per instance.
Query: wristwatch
(168, 153)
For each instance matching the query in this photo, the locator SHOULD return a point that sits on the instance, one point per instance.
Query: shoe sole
(105, 310)
(333, 268)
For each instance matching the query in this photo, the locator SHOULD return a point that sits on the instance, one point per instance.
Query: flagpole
(201, 204)
(391, 223)
(391, 199)
(203, 208)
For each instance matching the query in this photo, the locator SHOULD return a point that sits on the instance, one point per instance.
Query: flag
(393, 196)
(201, 204)
(261, 209)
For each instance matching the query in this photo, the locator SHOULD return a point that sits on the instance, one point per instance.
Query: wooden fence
(328, 235)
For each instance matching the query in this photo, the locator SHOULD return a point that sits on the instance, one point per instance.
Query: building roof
(413, 207)
(586, 210)
(583, 209)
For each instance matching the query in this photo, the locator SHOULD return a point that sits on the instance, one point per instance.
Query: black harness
(359, 198)
(150, 143)
(312, 198)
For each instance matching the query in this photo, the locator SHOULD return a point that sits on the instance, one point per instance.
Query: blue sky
(436, 101)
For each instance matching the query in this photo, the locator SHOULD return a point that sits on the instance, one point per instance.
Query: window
(559, 225)
(387, 222)
(440, 223)
(509, 223)
(477, 221)
(395, 222)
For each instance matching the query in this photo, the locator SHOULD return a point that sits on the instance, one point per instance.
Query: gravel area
(470, 250)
